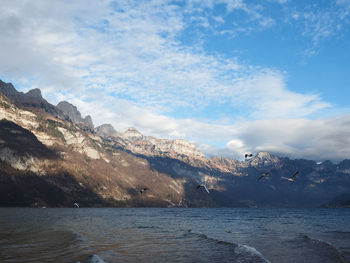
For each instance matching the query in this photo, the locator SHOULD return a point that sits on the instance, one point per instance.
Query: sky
(231, 76)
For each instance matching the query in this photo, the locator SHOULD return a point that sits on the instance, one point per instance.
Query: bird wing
(206, 189)
(261, 176)
(285, 178)
(295, 174)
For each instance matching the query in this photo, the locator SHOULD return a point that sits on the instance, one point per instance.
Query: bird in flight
(143, 189)
(292, 178)
(248, 155)
(203, 185)
(267, 174)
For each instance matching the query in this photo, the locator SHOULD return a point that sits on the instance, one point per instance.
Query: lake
(175, 235)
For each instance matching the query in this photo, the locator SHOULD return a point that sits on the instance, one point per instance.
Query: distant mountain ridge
(106, 130)
(131, 139)
(55, 148)
(72, 112)
(31, 99)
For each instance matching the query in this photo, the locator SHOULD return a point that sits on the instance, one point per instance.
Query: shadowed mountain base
(19, 189)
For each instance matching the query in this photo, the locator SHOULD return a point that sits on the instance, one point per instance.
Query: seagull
(202, 185)
(267, 174)
(248, 155)
(292, 178)
(143, 189)
(76, 205)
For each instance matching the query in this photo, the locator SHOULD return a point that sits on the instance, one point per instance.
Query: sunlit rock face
(41, 149)
(131, 134)
(136, 142)
(105, 130)
(74, 115)
(264, 159)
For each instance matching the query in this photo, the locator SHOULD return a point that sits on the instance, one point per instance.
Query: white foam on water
(247, 254)
(92, 259)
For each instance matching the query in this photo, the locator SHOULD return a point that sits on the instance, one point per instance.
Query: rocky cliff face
(49, 160)
(234, 183)
(31, 100)
(74, 115)
(106, 130)
(131, 139)
(9, 90)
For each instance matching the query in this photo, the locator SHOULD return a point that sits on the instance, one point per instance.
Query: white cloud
(269, 96)
(319, 23)
(219, 20)
(131, 51)
(279, 1)
(124, 63)
(320, 139)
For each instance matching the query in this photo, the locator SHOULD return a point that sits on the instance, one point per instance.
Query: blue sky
(231, 76)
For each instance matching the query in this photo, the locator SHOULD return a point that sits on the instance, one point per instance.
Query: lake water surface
(175, 235)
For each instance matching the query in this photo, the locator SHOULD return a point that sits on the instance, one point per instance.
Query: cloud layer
(139, 63)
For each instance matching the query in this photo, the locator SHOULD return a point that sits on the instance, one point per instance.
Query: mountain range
(52, 156)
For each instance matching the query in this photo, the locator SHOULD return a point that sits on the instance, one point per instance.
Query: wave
(202, 236)
(33, 246)
(195, 247)
(339, 232)
(320, 243)
(343, 239)
(147, 227)
(318, 250)
(242, 253)
(92, 259)
(249, 254)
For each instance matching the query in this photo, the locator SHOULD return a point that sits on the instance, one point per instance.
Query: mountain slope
(105, 167)
(62, 155)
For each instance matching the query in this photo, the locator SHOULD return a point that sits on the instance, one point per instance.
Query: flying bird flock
(267, 174)
(246, 156)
